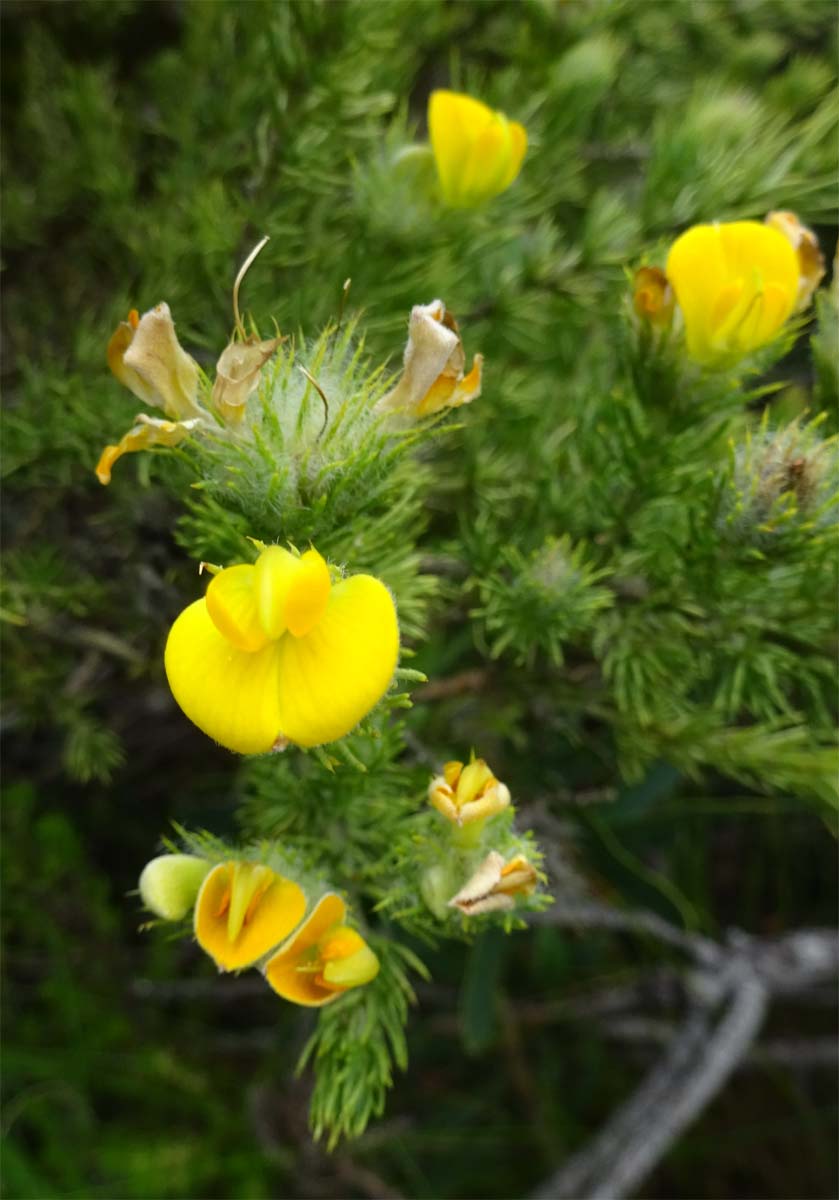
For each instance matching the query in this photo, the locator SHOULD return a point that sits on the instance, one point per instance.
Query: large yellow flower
(277, 653)
(478, 152)
(323, 959)
(736, 284)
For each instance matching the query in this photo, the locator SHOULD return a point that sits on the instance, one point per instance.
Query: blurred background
(146, 147)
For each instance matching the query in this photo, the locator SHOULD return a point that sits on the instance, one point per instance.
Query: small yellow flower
(433, 365)
(323, 959)
(170, 884)
(652, 296)
(145, 355)
(806, 245)
(467, 793)
(277, 653)
(244, 910)
(736, 284)
(495, 885)
(478, 152)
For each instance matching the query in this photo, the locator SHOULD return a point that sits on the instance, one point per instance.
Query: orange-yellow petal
(278, 909)
(293, 971)
(149, 431)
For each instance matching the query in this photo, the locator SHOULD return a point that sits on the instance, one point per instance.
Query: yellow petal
(292, 591)
(232, 605)
(464, 391)
(351, 970)
(149, 431)
(292, 972)
(455, 121)
(697, 272)
(279, 909)
(333, 676)
(233, 696)
(487, 162)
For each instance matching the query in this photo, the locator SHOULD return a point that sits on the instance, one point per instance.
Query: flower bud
(478, 152)
(170, 884)
(652, 297)
(467, 793)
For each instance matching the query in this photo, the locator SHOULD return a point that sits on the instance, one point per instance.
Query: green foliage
(357, 1044)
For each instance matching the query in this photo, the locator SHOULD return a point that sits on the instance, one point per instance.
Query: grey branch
(730, 985)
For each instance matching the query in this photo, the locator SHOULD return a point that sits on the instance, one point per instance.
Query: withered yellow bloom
(811, 266)
(277, 652)
(433, 366)
(322, 959)
(145, 355)
(478, 152)
(495, 885)
(243, 911)
(467, 793)
(736, 284)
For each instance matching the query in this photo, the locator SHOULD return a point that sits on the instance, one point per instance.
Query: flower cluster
(248, 915)
(469, 797)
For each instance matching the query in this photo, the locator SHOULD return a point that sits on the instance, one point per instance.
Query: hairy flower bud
(170, 884)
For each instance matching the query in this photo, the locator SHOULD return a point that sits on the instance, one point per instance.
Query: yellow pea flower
(478, 152)
(145, 355)
(736, 284)
(277, 653)
(322, 959)
(433, 366)
(170, 884)
(806, 245)
(467, 793)
(495, 885)
(243, 911)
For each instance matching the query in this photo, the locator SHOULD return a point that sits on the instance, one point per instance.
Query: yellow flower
(652, 296)
(467, 793)
(323, 959)
(806, 245)
(478, 152)
(244, 910)
(277, 653)
(434, 360)
(736, 284)
(495, 885)
(145, 355)
(170, 884)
